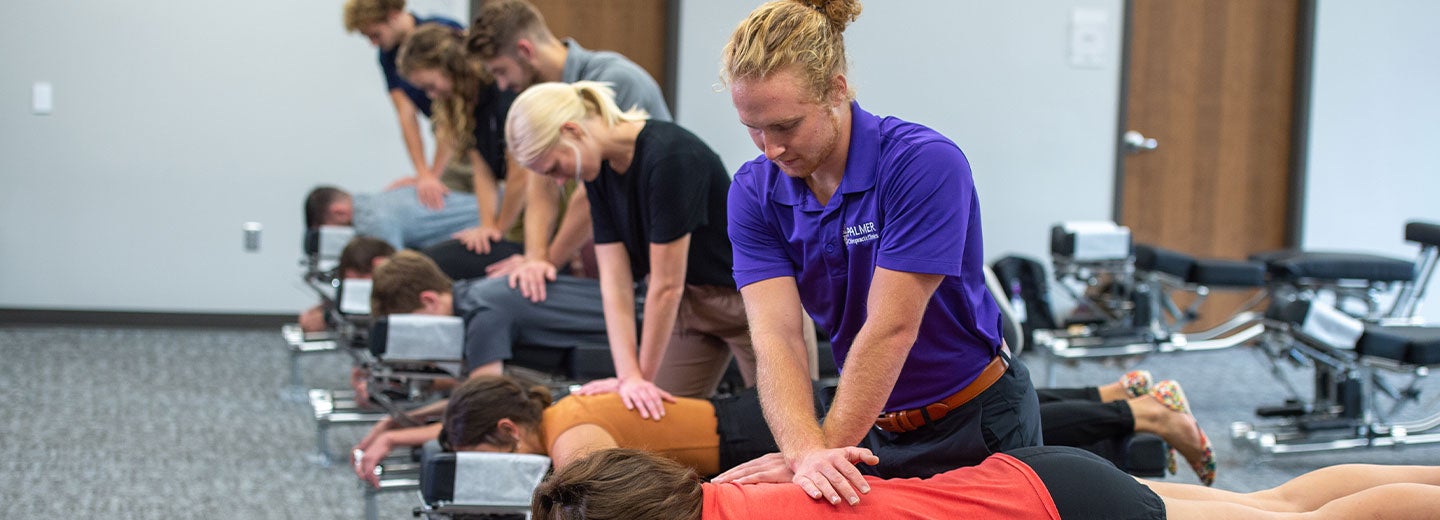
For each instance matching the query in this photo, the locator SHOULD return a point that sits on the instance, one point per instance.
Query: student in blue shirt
(386, 24)
(872, 225)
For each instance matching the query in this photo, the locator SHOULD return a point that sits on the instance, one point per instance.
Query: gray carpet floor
(177, 423)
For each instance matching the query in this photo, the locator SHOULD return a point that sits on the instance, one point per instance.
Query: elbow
(666, 290)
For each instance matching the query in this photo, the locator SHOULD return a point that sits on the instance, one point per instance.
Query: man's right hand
(831, 473)
(531, 277)
(431, 192)
(366, 460)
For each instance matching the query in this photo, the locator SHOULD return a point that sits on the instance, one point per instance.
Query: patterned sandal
(1136, 382)
(1172, 396)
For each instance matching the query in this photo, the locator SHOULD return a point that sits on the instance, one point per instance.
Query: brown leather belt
(911, 420)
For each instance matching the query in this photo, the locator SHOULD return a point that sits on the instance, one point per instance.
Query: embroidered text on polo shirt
(861, 233)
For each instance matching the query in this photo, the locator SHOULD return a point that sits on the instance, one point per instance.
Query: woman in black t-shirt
(469, 112)
(657, 200)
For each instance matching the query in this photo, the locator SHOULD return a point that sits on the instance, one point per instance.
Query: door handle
(1136, 142)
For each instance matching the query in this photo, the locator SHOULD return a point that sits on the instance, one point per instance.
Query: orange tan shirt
(686, 434)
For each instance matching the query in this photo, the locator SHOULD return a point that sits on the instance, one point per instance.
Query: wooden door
(1213, 82)
(639, 29)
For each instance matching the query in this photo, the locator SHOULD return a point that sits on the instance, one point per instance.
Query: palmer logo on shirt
(861, 233)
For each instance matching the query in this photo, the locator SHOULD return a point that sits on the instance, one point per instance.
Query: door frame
(1299, 130)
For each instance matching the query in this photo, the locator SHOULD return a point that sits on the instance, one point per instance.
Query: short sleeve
(756, 243)
(392, 74)
(600, 216)
(926, 206)
(678, 192)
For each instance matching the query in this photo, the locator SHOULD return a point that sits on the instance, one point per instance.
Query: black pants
(744, 434)
(1076, 417)
(1085, 486)
(1004, 417)
(460, 263)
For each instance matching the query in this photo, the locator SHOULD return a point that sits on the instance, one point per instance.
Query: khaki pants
(710, 328)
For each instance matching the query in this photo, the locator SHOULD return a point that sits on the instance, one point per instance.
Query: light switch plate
(1087, 37)
(42, 98)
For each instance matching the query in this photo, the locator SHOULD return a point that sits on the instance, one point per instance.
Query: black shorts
(744, 434)
(1085, 486)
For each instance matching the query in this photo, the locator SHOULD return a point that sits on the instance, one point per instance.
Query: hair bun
(839, 12)
(542, 395)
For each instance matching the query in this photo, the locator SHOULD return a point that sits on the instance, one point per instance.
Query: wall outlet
(252, 236)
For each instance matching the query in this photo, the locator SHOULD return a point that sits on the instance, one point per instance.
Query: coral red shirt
(1000, 487)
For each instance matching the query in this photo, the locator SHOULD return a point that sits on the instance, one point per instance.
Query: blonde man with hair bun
(657, 202)
(872, 224)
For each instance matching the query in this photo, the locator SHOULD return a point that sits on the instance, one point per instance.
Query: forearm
(485, 191)
(516, 178)
(575, 230)
(409, 130)
(865, 387)
(773, 310)
(425, 413)
(443, 154)
(411, 436)
(786, 395)
(541, 207)
(896, 303)
(618, 300)
(662, 305)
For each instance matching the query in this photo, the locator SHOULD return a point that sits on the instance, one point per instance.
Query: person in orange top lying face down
(1049, 482)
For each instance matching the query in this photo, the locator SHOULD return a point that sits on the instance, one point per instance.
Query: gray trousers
(500, 317)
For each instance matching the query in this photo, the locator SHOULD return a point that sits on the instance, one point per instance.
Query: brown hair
(481, 402)
(807, 34)
(618, 484)
(318, 202)
(359, 255)
(359, 13)
(439, 47)
(501, 23)
(399, 281)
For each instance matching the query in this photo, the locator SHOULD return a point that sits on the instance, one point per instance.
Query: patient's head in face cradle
(328, 206)
(362, 255)
(410, 282)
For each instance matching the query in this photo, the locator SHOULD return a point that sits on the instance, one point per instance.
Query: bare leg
(1112, 392)
(1390, 501)
(1310, 491)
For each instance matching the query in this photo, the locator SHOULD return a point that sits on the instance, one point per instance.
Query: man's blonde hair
(360, 13)
(807, 35)
(533, 125)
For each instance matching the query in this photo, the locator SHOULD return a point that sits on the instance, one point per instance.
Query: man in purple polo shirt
(873, 225)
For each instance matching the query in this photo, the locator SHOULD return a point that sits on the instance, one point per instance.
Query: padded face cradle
(1227, 273)
(1090, 241)
(1174, 263)
(1423, 232)
(1413, 345)
(1292, 265)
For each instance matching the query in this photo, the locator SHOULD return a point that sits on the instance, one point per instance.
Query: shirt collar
(574, 56)
(860, 164)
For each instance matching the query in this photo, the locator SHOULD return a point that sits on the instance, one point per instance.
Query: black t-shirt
(675, 185)
(490, 111)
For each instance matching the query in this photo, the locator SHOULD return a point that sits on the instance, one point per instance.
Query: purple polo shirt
(907, 203)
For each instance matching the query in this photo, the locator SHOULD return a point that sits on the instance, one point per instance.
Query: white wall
(174, 123)
(992, 76)
(1375, 127)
